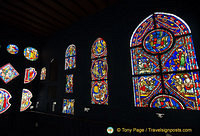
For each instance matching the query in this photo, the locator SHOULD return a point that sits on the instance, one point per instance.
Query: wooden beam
(25, 28)
(64, 12)
(45, 9)
(99, 3)
(24, 21)
(85, 4)
(21, 13)
(73, 7)
(37, 13)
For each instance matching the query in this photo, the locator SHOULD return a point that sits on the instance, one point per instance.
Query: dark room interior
(51, 26)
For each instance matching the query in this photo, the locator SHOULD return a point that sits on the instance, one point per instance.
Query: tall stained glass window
(70, 57)
(70, 65)
(99, 73)
(165, 73)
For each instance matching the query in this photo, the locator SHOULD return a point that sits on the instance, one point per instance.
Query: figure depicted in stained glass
(4, 100)
(69, 84)
(99, 48)
(99, 92)
(158, 41)
(43, 73)
(8, 73)
(30, 74)
(144, 63)
(12, 49)
(166, 101)
(31, 54)
(26, 99)
(182, 56)
(68, 106)
(99, 69)
(156, 53)
(70, 63)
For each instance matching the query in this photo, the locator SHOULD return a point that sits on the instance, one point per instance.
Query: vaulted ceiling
(44, 17)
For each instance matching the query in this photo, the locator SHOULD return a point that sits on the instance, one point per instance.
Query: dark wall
(115, 25)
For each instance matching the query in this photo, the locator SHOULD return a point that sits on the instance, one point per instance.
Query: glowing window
(12, 49)
(68, 106)
(8, 73)
(164, 65)
(26, 99)
(4, 100)
(30, 74)
(99, 73)
(70, 57)
(31, 54)
(43, 73)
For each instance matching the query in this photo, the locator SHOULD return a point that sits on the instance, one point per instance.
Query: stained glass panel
(145, 88)
(184, 86)
(69, 84)
(70, 63)
(70, 51)
(167, 102)
(181, 57)
(68, 106)
(143, 63)
(30, 74)
(4, 100)
(145, 26)
(43, 73)
(8, 73)
(12, 49)
(99, 92)
(172, 23)
(26, 99)
(31, 54)
(99, 69)
(99, 48)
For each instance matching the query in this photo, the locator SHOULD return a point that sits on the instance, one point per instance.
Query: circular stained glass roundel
(31, 54)
(12, 49)
(99, 48)
(158, 41)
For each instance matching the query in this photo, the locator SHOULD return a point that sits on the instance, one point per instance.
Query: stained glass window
(31, 54)
(4, 100)
(43, 73)
(70, 65)
(8, 73)
(70, 57)
(165, 73)
(30, 74)
(68, 106)
(26, 99)
(12, 49)
(99, 73)
(69, 83)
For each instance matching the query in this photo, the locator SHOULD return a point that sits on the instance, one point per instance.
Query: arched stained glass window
(70, 57)
(70, 54)
(99, 72)
(165, 73)
(70, 63)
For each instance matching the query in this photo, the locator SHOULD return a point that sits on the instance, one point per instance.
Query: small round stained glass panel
(158, 41)
(31, 54)
(12, 49)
